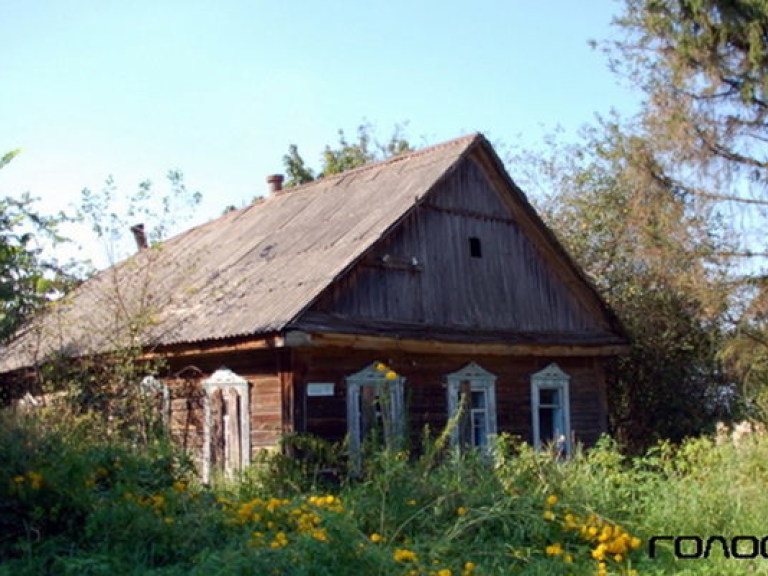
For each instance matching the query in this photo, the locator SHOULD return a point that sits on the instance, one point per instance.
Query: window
(550, 409)
(157, 395)
(374, 408)
(473, 391)
(227, 436)
(475, 248)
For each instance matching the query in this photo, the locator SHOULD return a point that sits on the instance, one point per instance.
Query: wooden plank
(261, 342)
(521, 280)
(286, 376)
(364, 342)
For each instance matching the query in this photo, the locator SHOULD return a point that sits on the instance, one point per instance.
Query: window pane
(478, 399)
(546, 425)
(479, 428)
(550, 396)
(371, 420)
(551, 424)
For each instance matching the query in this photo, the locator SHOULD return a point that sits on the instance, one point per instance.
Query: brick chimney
(275, 182)
(140, 236)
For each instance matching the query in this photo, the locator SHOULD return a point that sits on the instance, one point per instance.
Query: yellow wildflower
(35, 480)
(599, 552)
(411, 502)
(158, 502)
(469, 567)
(403, 555)
(444, 572)
(554, 549)
(320, 534)
(551, 500)
(548, 515)
(19, 479)
(280, 540)
(461, 511)
(375, 537)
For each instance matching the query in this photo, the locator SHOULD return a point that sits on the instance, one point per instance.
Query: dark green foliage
(655, 260)
(702, 66)
(345, 155)
(28, 279)
(296, 170)
(78, 502)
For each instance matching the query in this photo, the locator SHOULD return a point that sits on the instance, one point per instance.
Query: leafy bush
(74, 503)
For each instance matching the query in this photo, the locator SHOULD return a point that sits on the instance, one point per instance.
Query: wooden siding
(424, 275)
(259, 367)
(426, 395)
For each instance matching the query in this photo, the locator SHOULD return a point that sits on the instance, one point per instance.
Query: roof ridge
(471, 137)
(260, 200)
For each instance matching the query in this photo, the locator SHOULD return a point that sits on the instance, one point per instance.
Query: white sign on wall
(320, 389)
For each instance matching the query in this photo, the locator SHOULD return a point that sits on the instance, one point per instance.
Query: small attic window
(475, 248)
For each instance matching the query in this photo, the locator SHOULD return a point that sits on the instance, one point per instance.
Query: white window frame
(235, 389)
(480, 381)
(551, 378)
(151, 385)
(371, 376)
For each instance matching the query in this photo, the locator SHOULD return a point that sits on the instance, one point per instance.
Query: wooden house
(386, 297)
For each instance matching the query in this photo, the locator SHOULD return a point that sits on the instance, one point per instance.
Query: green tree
(703, 68)
(657, 263)
(110, 212)
(345, 155)
(296, 169)
(27, 277)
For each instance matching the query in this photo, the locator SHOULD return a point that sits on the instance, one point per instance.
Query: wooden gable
(471, 260)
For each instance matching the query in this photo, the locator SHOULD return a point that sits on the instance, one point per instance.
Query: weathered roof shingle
(250, 271)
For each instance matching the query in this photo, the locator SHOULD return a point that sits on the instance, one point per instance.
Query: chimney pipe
(140, 236)
(275, 183)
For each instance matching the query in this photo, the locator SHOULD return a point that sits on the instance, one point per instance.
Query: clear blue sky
(90, 88)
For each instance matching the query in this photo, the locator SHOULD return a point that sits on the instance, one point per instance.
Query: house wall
(430, 279)
(426, 395)
(279, 403)
(261, 368)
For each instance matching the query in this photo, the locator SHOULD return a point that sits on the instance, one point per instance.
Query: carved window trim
(552, 378)
(151, 385)
(479, 380)
(235, 392)
(395, 428)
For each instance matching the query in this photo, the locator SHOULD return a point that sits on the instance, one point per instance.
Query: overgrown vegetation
(74, 501)
(345, 155)
(28, 278)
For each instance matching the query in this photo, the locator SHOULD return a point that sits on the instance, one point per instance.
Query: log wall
(261, 368)
(426, 394)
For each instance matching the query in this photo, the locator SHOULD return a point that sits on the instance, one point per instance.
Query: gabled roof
(250, 271)
(255, 270)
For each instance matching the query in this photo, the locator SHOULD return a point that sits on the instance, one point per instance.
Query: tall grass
(75, 502)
